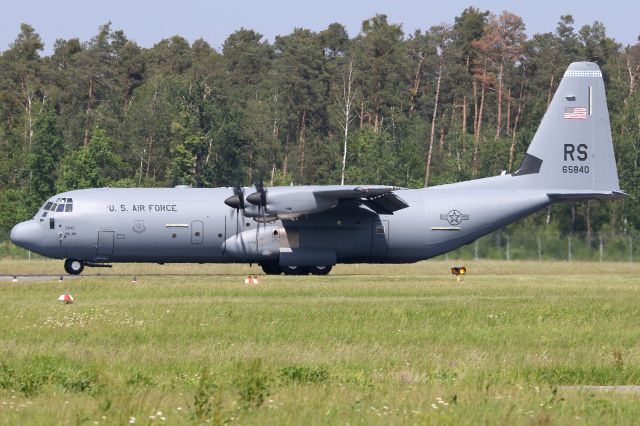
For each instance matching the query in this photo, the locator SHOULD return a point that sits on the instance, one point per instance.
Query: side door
(105, 243)
(379, 237)
(197, 232)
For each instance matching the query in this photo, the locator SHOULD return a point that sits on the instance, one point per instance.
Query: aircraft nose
(26, 234)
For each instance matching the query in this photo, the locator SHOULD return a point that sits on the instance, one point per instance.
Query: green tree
(384, 73)
(299, 73)
(21, 93)
(43, 160)
(93, 167)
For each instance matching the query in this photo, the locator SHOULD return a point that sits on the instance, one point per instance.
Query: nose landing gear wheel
(73, 266)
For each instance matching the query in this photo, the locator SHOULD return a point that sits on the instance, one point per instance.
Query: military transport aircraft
(308, 229)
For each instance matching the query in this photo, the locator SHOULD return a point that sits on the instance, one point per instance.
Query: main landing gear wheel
(320, 270)
(271, 269)
(295, 270)
(73, 266)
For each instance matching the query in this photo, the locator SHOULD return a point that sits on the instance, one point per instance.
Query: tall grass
(368, 344)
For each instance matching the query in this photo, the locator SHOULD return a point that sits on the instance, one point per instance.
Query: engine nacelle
(254, 245)
(282, 203)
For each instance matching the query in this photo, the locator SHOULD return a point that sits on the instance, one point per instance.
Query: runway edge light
(459, 271)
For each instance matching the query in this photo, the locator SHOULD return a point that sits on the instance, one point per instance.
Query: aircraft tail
(571, 155)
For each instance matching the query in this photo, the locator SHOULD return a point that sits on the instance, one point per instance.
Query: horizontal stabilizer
(576, 195)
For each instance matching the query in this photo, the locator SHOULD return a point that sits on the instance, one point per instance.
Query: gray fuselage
(194, 225)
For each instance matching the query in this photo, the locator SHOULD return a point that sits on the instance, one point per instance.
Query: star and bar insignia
(454, 217)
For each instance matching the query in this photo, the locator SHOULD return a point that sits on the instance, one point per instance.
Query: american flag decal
(575, 113)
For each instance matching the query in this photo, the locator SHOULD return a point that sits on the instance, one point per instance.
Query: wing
(290, 202)
(380, 199)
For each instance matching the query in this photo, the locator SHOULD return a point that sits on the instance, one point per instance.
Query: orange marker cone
(66, 298)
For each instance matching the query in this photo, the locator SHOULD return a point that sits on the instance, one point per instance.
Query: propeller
(236, 201)
(259, 199)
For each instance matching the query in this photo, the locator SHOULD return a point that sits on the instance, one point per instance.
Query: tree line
(456, 101)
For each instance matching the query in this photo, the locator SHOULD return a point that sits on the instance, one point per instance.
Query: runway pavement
(18, 278)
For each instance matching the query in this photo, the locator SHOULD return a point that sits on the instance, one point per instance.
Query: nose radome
(26, 235)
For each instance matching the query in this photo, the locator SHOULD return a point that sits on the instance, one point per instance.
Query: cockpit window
(61, 205)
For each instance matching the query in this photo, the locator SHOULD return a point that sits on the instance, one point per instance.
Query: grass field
(364, 345)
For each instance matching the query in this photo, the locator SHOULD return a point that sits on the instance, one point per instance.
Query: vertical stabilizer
(572, 151)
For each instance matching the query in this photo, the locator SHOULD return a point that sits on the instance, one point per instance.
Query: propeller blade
(237, 191)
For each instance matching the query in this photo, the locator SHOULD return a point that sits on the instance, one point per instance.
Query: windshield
(59, 205)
